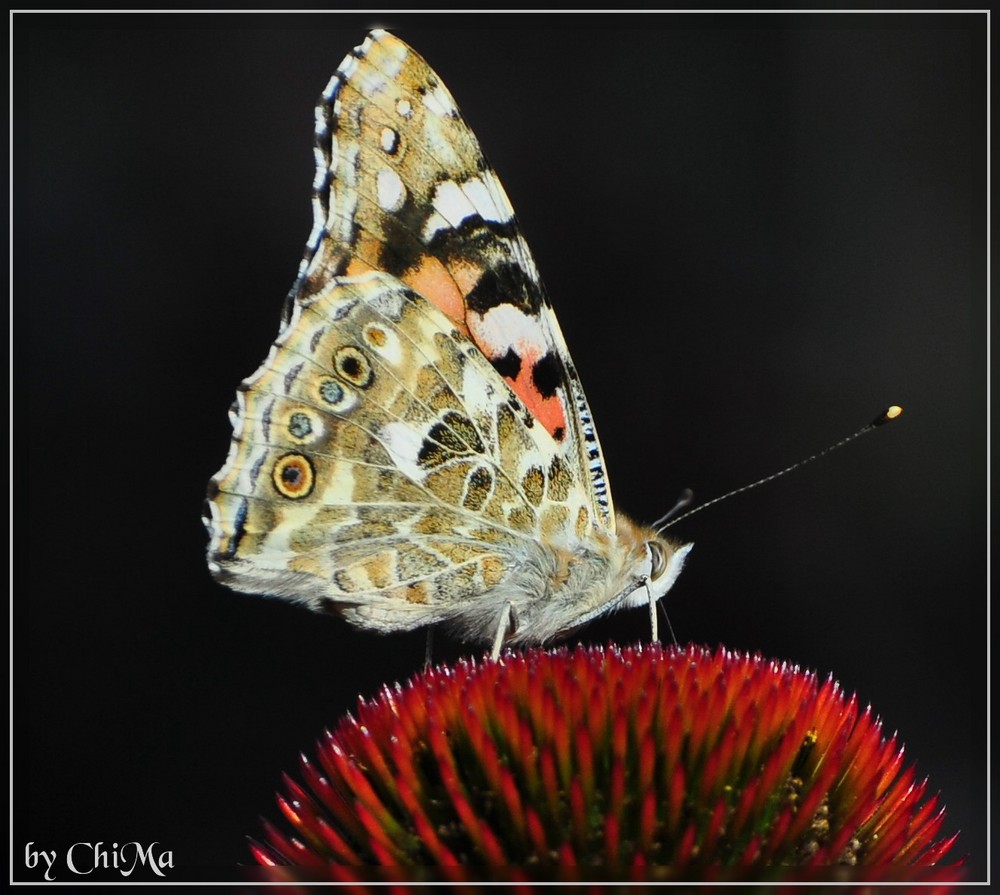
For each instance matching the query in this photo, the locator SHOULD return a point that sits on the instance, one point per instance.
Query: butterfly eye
(658, 559)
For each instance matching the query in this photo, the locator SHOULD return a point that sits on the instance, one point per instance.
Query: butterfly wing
(381, 467)
(417, 434)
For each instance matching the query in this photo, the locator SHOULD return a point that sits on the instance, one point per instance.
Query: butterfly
(417, 448)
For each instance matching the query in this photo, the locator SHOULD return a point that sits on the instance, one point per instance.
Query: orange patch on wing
(356, 267)
(446, 288)
(466, 275)
(433, 281)
(550, 412)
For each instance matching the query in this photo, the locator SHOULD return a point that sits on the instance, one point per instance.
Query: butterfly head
(658, 560)
(666, 560)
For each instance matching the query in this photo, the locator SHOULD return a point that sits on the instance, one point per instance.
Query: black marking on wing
(239, 530)
(291, 376)
(506, 283)
(472, 236)
(595, 464)
(455, 434)
(255, 471)
(547, 374)
(522, 412)
(509, 365)
(401, 249)
(265, 421)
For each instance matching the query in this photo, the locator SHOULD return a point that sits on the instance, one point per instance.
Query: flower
(626, 763)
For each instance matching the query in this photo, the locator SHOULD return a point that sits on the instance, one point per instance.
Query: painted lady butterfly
(417, 449)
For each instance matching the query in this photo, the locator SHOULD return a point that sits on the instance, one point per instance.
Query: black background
(757, 231)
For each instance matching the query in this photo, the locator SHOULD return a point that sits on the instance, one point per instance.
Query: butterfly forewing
(402, 186)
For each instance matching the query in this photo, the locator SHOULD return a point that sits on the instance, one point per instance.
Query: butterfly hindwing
(380, 461)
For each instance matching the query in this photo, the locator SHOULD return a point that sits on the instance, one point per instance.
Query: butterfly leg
(502, 630)
(670, 627)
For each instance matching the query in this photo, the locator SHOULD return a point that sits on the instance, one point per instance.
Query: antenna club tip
(887, 415)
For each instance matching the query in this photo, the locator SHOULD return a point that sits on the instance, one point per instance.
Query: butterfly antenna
(886, 416)
(685, 498)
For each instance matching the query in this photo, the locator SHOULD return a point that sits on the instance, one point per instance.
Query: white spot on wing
(481, 197)
(478, 394)
(388, 139)
(451, 202)
(321, 125)
(404, 108)
(435, 223)
(386, 343)
(506, 327)
(403, 445)
(319, 178)
(331, 88)
(439, 101)
(390, 190)
(454, 203)
(348, 67)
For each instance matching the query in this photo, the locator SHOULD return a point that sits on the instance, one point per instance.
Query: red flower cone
(635, 763)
